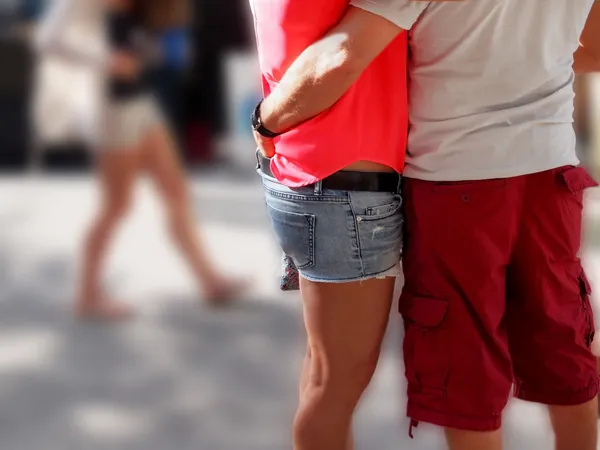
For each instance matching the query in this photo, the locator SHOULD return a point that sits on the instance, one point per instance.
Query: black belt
(346, 180)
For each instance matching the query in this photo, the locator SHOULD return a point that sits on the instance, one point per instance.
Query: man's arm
(327, 69)
(587, 57)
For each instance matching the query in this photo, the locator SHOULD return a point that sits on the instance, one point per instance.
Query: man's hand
(265, 145)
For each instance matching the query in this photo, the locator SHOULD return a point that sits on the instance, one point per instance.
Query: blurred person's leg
(165, 168)
(117, 170)
(549, 315)
(345, 324)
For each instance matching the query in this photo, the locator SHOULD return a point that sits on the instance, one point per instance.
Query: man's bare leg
(575, 427)
(473, 440)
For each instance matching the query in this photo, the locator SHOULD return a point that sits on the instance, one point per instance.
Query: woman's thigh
(117, 171)
(345, 325)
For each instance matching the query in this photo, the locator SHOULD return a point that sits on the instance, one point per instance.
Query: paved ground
(180, 377)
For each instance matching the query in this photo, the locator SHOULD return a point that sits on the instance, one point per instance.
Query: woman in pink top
(332, 188)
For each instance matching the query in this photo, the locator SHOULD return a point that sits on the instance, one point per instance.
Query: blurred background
(181, 376)
(207, 96)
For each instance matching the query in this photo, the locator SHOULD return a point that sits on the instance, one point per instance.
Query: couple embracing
(438, 133)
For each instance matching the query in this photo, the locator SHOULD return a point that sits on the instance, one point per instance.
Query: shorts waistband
(346, 180)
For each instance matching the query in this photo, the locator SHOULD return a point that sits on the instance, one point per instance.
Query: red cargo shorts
(495, 296)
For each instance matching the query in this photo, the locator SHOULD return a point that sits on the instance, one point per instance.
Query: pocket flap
(577, 179)
(424, 311)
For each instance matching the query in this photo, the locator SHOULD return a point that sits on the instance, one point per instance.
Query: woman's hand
(265, 145)
(124, 65)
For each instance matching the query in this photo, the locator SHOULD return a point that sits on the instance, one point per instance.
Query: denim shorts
(336, 236)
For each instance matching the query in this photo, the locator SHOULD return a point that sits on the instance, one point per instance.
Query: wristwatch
(258, 126)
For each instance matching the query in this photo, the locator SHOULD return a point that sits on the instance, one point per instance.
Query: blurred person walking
(495, 293)
(333, 196)
(133, 137)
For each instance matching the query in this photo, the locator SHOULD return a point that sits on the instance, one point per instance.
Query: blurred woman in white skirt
(128, 133)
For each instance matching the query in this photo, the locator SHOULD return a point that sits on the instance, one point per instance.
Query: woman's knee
(177, 196)
(341, 379)
(177, 205)
(331, 393)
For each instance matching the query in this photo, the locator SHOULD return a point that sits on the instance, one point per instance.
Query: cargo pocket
(585, 290)
(426, 344)
(577, 180)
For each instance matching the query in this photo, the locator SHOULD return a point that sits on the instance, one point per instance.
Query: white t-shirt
(491, 84)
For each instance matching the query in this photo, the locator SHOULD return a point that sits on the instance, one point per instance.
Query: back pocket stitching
(311, 220)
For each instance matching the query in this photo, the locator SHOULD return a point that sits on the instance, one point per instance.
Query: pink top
(369, 123)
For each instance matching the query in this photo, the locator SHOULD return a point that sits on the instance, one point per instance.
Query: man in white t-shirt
(495, 294)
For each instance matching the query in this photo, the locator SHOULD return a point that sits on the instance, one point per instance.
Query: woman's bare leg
(166, 171)
(345, 324)
(117, 173)
(304, 383)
